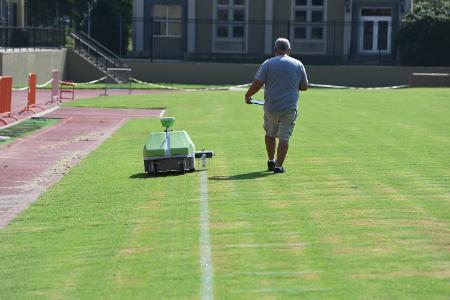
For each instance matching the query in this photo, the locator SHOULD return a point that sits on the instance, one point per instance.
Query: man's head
(282, 46)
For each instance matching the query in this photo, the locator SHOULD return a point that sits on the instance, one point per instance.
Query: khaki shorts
(280, 124)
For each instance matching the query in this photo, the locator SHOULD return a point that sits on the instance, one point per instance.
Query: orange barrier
(31, 95)
(67, 87)
(5, 99)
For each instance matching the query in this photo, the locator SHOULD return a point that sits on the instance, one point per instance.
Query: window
(316, 33)
(375, 30)
(167, 20)
(317, 16)
(376, 12)
(300, 32)
(309, 18)
(230, 19)
(300, 16)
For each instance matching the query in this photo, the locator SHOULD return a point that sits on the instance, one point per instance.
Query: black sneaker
(278, 170)
(270, 165)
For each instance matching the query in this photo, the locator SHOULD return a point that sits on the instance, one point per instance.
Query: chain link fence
(20, 38)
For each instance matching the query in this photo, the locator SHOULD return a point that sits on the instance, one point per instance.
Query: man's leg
(270, 147)
(287, 123)
(283, 146)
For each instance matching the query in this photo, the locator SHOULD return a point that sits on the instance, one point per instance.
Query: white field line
(205, 242)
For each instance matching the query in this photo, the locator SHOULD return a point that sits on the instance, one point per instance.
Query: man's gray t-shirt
(282, 76)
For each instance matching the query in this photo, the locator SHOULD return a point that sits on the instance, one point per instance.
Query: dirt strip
(29, 166)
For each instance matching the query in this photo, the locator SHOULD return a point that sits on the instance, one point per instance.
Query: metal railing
(117, 60)
(22, 38)
(244, 41)
(217, 41)
(99, 55)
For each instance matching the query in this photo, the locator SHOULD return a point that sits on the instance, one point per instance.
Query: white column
(21, 13)
(138, 13)
(407, 6)
(191, 38)
(347, 28)
(269, 27)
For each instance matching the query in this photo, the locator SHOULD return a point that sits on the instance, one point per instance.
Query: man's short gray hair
(282, 44)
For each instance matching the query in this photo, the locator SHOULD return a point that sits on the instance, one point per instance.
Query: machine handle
(204, 154)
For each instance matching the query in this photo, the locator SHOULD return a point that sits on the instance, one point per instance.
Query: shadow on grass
(245, 176)
(145, 175)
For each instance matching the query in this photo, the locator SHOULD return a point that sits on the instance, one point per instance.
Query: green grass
(362, 212)
(24, 129)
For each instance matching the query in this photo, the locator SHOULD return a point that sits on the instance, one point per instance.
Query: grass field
(24, 129)
(362, 212)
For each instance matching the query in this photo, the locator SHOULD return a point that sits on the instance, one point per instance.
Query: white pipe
(167, 147)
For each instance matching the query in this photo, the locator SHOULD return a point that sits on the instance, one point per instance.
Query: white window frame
(230, 25)
(168, 21)
(309, 8)
(375, 20)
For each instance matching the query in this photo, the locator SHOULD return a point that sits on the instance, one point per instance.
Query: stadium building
(345, 29)
(12, 13)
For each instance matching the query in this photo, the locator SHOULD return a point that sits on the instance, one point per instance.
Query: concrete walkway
(29, 166)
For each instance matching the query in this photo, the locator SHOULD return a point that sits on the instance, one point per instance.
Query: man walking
(283, 77)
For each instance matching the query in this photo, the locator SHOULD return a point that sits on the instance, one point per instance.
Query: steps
(101, 57)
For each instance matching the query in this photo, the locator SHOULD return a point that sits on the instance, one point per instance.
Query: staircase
(101, 57)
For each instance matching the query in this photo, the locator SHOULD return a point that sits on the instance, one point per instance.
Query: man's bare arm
(303, 85)
(253, 89)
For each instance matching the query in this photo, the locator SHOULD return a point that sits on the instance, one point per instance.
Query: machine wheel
(182, 167)
(155, 170)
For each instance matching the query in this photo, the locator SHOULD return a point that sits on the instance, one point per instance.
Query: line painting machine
(170, 151)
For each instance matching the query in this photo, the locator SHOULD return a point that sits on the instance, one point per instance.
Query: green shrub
(424, 37)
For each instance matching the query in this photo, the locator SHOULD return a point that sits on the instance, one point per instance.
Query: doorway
(375, 30)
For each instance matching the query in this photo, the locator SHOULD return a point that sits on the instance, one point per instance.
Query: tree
(424, 37)
(111, 24)
(109, 20)
(56, 13)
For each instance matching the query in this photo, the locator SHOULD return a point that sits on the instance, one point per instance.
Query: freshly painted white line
(205, 242)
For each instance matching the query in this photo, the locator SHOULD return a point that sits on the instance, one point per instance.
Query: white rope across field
(328, 86)
(38, 86)
(20, 89)
(224, 88)
(44, 84)
(237, 87)
(93, 81)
